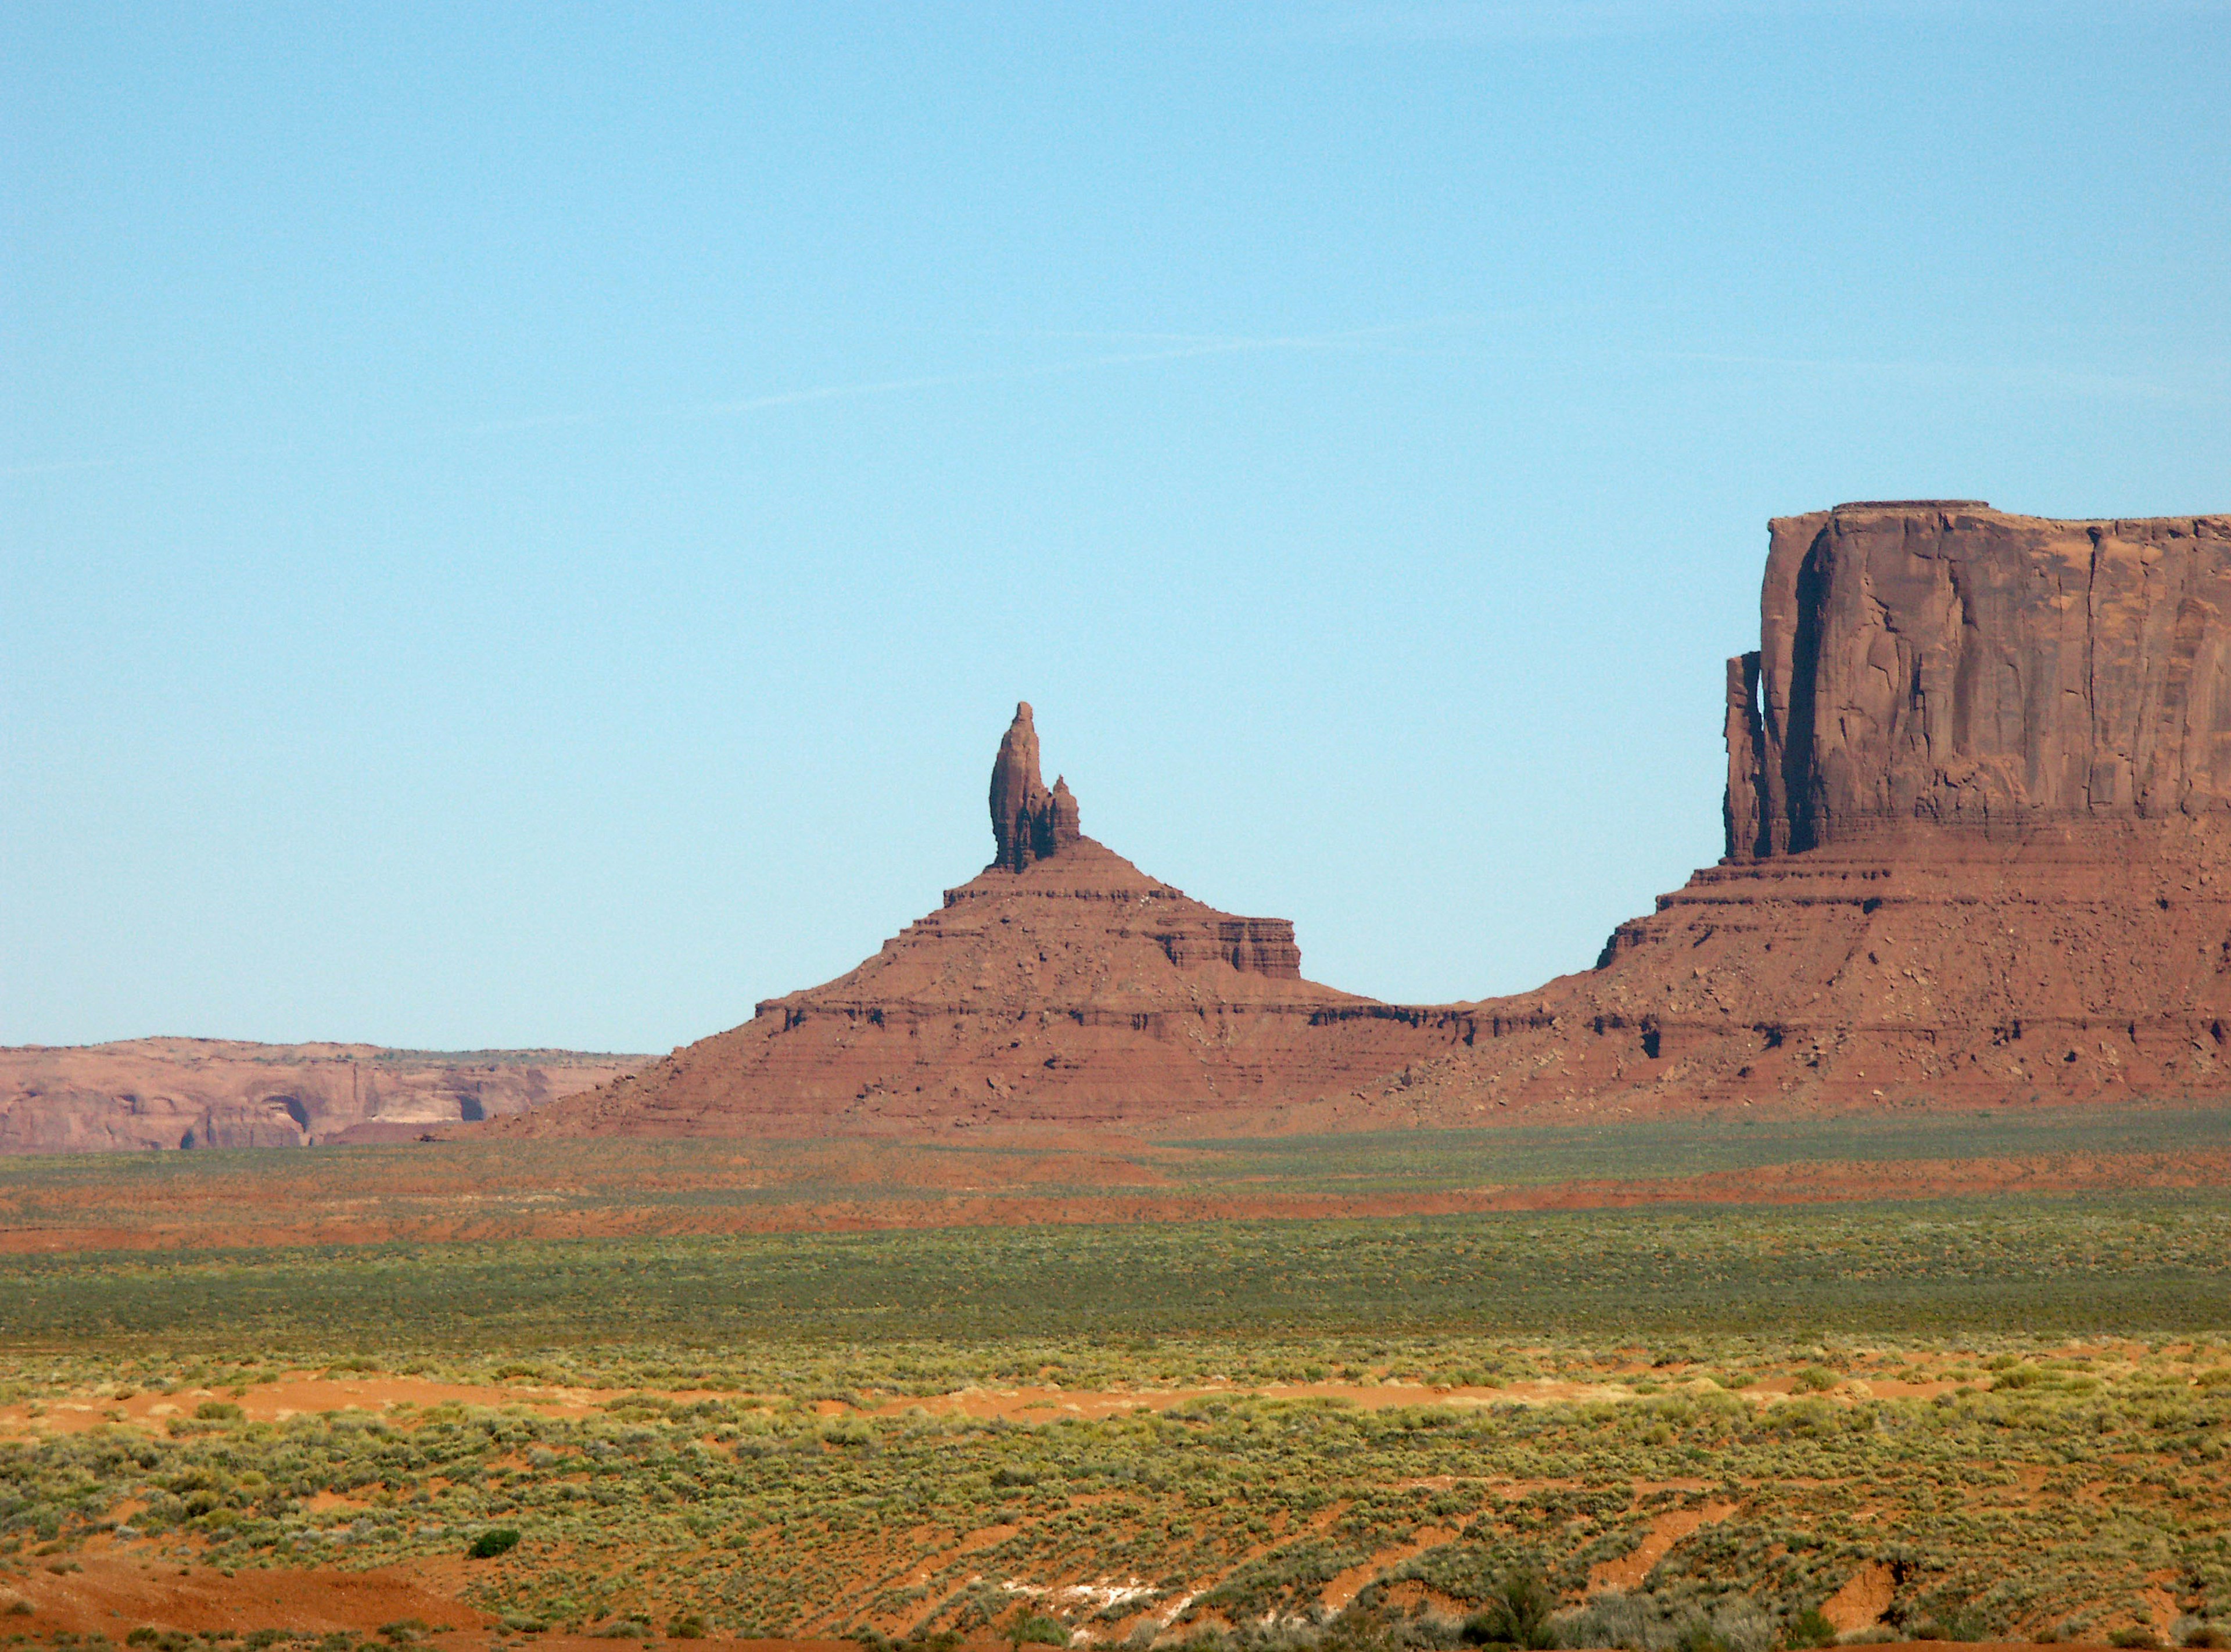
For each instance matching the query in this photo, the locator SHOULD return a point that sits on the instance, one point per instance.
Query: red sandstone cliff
(1952, 666)
(1978, 820)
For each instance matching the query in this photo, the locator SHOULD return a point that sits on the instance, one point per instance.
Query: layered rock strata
(214, 1092)
(1978, 847)
(1061, 985)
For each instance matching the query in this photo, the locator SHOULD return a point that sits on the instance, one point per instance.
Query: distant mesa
(146, 1092)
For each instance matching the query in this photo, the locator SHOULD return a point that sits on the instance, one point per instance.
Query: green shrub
(2133, 1636)
(1038, 1627)
(1517, 1614)
(217, 1411)
(1810, 1628)
(690, 1627)
(1815, 1379)
(495, 1541)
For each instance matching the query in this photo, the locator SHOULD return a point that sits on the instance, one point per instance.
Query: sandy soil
(117, 1590)
(399, 1398)
(1860, 1603)
(112, 1593)
(293, 1395)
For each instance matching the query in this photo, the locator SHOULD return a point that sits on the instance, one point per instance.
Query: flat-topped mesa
(1029, 823)
(1936, 663)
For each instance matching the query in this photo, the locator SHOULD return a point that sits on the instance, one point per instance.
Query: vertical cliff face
(1942, 663)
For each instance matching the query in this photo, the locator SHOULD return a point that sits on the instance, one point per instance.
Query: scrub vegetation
(2015, 1417)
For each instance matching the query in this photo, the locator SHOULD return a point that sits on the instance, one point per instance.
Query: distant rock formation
(216, 1092)
(1060, 986)
(1029, 823)
(1978, 846)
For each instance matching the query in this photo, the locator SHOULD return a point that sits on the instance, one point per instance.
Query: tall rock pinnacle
(1029, 823)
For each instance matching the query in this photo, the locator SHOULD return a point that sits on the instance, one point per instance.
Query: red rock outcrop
(1978, 845)
(1060, 985)
(212, 1092)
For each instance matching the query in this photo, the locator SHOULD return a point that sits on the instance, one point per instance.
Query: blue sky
(524, 525)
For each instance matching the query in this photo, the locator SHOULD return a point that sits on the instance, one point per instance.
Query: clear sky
(524, 525)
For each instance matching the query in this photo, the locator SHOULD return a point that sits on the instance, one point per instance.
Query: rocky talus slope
(1978, 848)
(1061, 985)
(214, 1093)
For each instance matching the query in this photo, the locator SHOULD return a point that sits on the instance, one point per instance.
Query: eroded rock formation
(214, 1093)
(1978, 817)
(1029, 823)
(1978, 845)
(1061, 985)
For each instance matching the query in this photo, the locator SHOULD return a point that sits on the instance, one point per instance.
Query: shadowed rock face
(1945, 664)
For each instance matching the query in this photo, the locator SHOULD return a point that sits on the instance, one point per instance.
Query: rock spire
(1029, 823)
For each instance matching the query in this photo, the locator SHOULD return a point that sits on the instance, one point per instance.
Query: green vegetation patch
(2154, 1262)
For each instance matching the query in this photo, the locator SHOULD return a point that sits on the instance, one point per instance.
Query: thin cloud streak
(1181, 347)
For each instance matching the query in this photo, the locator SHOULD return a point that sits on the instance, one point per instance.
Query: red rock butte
(1978, 835)
(1061, 985)
(1978, 818)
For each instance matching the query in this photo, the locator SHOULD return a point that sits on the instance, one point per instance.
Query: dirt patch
(1861, 1602)
(1629, 1570)
(115, 1593)
(298, 1393)
(1351, 1582)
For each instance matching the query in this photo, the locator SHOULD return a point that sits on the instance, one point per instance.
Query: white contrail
(1177, 347)
(1174, 347)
